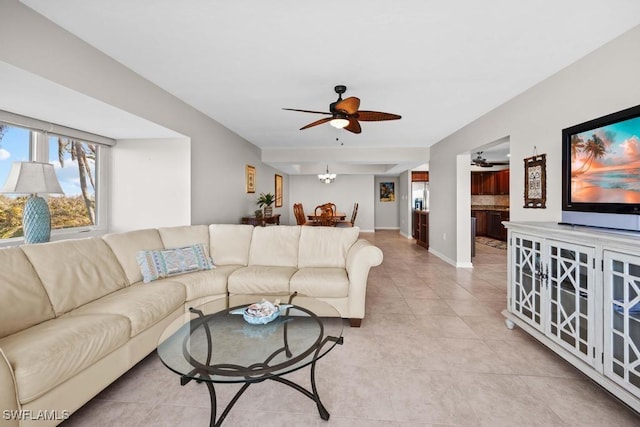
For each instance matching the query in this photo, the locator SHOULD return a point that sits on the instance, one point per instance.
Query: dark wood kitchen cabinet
(495, 229)
(502, 181)
(481, 222)
(483, 183)
(421, 228)
(420, 176)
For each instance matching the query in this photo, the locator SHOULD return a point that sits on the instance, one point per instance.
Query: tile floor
(433, 350)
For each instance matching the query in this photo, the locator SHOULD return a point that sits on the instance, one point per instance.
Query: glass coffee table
(222, 347)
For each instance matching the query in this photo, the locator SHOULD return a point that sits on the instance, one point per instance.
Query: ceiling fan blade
(306, 111)
(353, 126)
(317, 122)
(349, 105)
(376, 116)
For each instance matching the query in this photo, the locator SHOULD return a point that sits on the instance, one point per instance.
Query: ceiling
(439, 65)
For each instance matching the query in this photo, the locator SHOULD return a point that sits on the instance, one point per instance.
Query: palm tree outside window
(75, 163)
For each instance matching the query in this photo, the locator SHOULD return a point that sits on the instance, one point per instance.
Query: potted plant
(265, 201)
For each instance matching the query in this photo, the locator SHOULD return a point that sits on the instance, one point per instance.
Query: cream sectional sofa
(75, 314)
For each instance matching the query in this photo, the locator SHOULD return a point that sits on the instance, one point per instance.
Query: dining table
(338, 216)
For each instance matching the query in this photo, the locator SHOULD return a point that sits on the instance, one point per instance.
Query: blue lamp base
(36, 220)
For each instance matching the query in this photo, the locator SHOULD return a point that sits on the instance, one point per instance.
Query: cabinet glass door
(570, 276)
(622, 319)
(526, 296)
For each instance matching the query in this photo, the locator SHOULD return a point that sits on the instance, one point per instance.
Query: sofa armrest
(360, 258)
(8, 394)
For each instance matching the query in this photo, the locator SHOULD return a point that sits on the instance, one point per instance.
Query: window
(76, 162)
(75, 165)
(14, 146)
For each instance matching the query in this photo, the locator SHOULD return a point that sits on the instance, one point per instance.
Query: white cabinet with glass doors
(577, 291)
(552, 289)
(622, 319)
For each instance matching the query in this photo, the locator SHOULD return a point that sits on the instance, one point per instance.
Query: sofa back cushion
(75, 272)
(184, 235)
(325, 246)
(23, 300)
(127, 245)
(229, 243)
(275, 246)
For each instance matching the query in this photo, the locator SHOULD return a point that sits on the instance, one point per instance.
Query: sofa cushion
(75, 272)
(229, 243)
(259, 279)
(321, 282)
(206, 283)
(160, 263)
(144, 305)
(48, 354)
(23, 299)
(325, 246)
(127, 245)
(275, 246)
(184, 235)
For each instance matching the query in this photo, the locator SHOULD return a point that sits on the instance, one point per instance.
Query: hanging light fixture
(339, 121)
(327, 178)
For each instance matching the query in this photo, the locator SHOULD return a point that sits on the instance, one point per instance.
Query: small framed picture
(251, 179)
(535, 182)
(387, 192)
(278, 186)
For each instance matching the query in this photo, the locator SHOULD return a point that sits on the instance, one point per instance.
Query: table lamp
(34, 178)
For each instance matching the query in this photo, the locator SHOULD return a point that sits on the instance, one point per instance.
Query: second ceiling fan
(345, 113)
(484, 163)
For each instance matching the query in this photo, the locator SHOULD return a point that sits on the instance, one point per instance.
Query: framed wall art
(251, 179)
(278, 187)
(535, 181)
(387, 192)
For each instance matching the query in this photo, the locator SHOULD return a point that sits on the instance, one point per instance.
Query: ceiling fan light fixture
(339, 122)
(345, 114)
(327, 178)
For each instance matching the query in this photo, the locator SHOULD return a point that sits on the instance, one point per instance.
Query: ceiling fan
(345, 114)
(484, 163)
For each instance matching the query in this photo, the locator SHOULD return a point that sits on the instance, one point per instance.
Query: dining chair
(325, 215)
(327, 205)
(298, 212)
(352, 222)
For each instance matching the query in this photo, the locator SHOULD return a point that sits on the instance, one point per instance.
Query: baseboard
(449, 260)
(387, 228)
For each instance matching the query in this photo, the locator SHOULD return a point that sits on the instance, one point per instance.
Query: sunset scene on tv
(605, 164)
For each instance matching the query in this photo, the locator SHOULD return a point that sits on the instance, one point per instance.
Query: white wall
(344, 192)
(157, 177)
(601, 83)
(218, 156)
(405, 204)
(265, 183)
(388, 213)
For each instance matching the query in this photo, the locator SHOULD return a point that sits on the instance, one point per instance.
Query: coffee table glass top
(223, 347)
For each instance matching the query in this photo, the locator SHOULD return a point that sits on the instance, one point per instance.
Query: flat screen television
(601, 172)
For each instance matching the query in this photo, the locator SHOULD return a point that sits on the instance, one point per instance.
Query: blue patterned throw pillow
(159, 263)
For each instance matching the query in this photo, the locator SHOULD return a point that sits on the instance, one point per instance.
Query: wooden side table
(262, 221)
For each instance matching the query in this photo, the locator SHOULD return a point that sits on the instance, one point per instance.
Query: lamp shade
(339, 122)
(32, 178)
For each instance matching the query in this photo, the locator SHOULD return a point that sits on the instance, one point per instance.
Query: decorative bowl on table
(261, 313)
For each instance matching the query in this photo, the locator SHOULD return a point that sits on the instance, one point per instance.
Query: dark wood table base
(262, 221)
